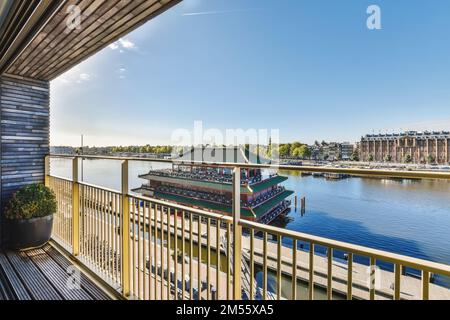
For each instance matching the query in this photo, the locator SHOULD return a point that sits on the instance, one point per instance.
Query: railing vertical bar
(175, 253)
(279, 248)
(265, 266)
(61, 223)
(294, 270)
(141, 234)
(330, 274)
(47, 171)
(102, 224)
(139, 245)
(125, 231)
(228, 261)
(373, 265)
(169, 280)
(148, 208)
(191, 257)
(82, 227)
(133, 247)
(252, 264)
(218, 254)
(311, 271)
(89, 223)
(97, 230)
(208, 260)
(109, 228)
(161, 213)
(113, 234)
(61, 217)
(199, 261)
(398, 272)
(155, 250)
(60, 212)
(183, 255)
(350, 276)
(425, 285)
(105, 231)
(145, 245)
(237, 234)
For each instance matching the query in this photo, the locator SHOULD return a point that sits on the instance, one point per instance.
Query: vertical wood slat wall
(25, 134)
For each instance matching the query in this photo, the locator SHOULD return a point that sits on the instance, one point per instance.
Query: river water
(409, 217)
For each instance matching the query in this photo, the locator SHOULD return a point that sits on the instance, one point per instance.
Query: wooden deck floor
(43, 274)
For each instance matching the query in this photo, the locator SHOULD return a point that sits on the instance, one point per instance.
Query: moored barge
(210, 188)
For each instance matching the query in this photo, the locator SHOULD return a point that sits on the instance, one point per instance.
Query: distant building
(331, 151)
(346, 150)
(411, 146)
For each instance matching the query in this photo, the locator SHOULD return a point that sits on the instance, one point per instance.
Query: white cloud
(123, 44)
(85, 77)
(114, 46)
(75, 76)
(127, 44)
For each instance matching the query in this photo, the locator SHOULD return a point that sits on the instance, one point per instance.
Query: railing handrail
(386, 256)
(413, 174)
(128, 199)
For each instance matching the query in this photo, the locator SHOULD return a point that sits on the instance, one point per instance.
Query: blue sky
(310, 68)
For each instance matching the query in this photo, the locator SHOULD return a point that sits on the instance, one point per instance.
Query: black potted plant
(29, 216)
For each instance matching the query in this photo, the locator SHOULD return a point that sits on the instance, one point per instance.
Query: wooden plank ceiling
(53, 48)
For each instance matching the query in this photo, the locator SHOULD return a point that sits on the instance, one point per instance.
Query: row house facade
(417, 147)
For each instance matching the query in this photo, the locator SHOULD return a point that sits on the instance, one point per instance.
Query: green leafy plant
(33, 201)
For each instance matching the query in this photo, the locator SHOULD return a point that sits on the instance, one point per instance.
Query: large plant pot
(29, 234)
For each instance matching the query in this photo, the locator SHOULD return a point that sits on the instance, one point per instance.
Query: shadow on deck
(44, 274)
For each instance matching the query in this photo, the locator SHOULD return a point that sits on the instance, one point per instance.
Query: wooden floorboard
(42, 274)
(60, 278)
(12, 280)
(91, 288)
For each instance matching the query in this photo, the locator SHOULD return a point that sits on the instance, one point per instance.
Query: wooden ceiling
(48, 47)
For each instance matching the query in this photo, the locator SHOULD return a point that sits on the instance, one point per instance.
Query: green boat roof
(259, 211)
(224, 187)
(222, 154)
(267, 183)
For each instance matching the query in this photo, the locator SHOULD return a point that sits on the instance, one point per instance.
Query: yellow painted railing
(155, 250)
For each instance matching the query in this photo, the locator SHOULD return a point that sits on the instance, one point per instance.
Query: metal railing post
(125, 231)
(75, 208)
(47, 171)
(237, 234)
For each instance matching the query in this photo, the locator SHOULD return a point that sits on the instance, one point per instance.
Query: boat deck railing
(155, 250)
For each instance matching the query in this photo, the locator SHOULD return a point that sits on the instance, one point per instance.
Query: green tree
(355, 156)
(371, 158)
(302, 152)
(285, 150)
(430, 159)
(388, 158)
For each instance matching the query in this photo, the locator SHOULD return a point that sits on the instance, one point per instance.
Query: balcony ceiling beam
(38, 39)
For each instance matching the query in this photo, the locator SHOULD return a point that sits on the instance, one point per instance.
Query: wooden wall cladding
(25, 127)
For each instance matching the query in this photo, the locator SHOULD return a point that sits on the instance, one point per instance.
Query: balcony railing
(155, 250)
